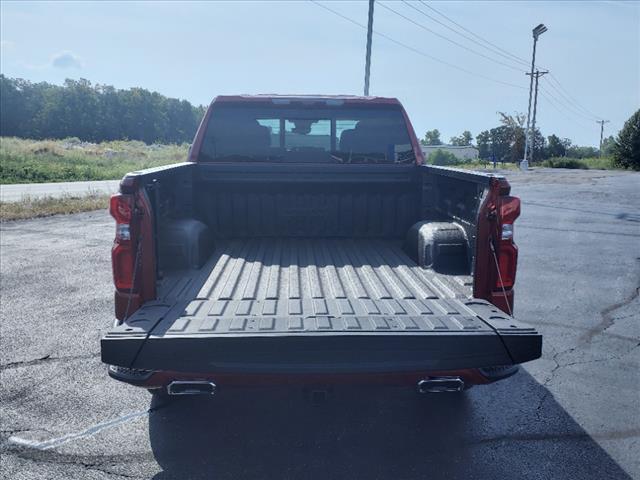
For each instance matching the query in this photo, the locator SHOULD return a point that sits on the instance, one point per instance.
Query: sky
(197, 50)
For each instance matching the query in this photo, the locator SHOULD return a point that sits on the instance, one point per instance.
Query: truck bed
(363, 300)
(313, 278)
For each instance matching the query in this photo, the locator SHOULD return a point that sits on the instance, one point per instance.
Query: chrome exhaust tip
(440, 385)
(191, 387)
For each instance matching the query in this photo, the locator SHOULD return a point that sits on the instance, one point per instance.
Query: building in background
(467, 152)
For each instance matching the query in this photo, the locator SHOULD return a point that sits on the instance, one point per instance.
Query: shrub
(564, 163)
(443, 158)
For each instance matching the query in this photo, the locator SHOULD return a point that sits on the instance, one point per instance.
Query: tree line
(93, 112)
(505, 142)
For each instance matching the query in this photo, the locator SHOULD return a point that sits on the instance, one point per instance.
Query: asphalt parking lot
(574, 414)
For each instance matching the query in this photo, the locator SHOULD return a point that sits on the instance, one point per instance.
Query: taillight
(122, 262)
(507, 252)
(121, 207)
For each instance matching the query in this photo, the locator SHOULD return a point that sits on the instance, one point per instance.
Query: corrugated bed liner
(314, 277)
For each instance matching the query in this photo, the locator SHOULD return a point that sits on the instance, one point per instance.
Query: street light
(539, 30)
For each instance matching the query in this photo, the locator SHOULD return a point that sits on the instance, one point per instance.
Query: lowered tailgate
(312, 306)
(477, 336)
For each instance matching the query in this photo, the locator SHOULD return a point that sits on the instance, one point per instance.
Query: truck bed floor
(313, 277)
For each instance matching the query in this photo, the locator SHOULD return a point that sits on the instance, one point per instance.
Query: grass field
(69, 160)
(47, 206)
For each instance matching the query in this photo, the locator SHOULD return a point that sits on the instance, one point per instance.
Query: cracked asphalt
(574, 414)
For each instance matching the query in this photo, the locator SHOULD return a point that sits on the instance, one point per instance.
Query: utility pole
(601, 122)
(367, 64)
(539, 30)
(537, 75)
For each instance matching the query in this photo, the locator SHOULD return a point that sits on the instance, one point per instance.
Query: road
(574, 414)
(15, 193)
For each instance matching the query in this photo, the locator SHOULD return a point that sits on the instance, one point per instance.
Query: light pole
(601, 122)
(539, 30)
(367, 63)
(535, 107)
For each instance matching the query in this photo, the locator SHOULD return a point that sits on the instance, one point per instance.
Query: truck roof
(335, 99)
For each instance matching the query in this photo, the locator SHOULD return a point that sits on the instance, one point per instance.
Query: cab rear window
(320, 134)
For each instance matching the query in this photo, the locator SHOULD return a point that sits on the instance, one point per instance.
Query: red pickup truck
(305, 241)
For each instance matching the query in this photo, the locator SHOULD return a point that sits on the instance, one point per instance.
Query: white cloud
(66, 60)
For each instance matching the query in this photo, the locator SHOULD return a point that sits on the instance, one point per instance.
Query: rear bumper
(161, 379)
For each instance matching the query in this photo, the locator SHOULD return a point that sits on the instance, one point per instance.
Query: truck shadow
(488, 432)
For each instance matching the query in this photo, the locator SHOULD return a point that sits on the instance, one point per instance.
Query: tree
(483, 140)
(432, 137)
(463, 140)
(575, 151)
(514, 121)
(500, 143)
(626, 150)
(607, 146)
(555, 147)
(538, 149)
(93, 112)
(440, 157)
(515, 126)
(495, 144)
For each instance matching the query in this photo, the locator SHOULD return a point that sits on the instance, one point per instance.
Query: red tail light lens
(507, 262)
(121, 207)
(122, 258)
(509, 209)
(508, 252)
(122, 263)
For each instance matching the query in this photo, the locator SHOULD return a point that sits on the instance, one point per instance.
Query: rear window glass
(321, 134)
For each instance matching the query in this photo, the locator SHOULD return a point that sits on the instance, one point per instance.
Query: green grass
(594, 163)
(69, 160)
(47, 206)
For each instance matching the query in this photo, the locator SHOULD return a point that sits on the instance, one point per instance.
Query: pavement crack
(102, 463)
(46, 359)
(100, 468)
(608, 318)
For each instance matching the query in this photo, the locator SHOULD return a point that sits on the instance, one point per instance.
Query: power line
(448, 39)
(561, 90)
(572, 105)
(549, 100)
(471, 39)
(515, 57)
(415, 50)
(568, 106)
(558, 104)
(570, 97)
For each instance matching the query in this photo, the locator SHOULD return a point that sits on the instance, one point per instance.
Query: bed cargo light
(122, 258)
